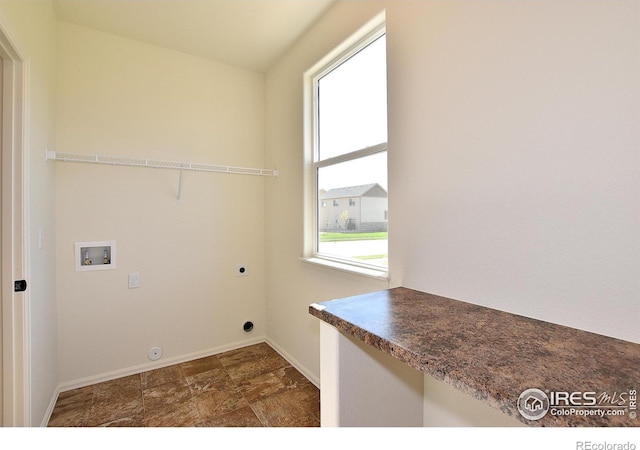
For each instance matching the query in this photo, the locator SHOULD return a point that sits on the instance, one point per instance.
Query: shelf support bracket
(180, 185)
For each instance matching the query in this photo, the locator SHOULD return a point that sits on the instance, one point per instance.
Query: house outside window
(348, 127)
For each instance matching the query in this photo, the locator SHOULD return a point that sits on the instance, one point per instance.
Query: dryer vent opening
(248, 326)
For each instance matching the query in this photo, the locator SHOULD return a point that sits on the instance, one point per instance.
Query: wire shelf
(156, 164)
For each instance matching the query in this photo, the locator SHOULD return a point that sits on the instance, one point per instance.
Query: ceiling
(245, 33)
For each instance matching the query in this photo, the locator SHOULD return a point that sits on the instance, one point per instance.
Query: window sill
(381, 274)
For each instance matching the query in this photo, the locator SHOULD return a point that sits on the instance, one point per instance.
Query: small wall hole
(248, 326)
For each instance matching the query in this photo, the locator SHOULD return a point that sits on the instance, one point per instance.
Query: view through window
(350, 163)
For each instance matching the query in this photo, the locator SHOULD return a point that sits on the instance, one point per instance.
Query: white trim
(133, 370)
(356, 154)
(26, 92)
(295, 363)
(16, 379)
(378, 274)
(107, 376)
(50, 407)
(371, 28)
(367, 34)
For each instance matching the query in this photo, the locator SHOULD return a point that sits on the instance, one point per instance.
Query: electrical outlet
(134, 280)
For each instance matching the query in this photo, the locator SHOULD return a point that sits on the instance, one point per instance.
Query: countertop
(495, 356)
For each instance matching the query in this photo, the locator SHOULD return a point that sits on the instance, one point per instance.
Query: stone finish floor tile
(116, 399)
(197, 366)
(161, 376)
(72, 408)
(180, 415)
(242, 417)
(215, 402)
(165, 397)
(281, 410)
(248, 387)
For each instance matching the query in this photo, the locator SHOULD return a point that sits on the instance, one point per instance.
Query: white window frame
(359, 40)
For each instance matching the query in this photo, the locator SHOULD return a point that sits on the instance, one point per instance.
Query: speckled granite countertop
(495, 356)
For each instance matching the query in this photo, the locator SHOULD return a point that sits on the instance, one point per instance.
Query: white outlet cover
(155, 353)
(134, 280)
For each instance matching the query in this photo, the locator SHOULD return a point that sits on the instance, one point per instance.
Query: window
(348, 140)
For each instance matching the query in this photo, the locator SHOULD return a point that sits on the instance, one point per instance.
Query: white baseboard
(295, 363)
(52, 404)
(107, 376)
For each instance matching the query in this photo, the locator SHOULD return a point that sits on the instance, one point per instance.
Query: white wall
(513, 179)
(292, 284)
(446, 406)
(121, 97)
(514, 130)
(350, 368)
(514, 157)
(31, 26)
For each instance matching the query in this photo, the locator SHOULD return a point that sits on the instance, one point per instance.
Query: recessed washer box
(95, 255)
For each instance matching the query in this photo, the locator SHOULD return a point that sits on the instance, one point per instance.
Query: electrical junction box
(95, 255)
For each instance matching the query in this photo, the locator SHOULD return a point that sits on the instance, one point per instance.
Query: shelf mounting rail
(157, 164)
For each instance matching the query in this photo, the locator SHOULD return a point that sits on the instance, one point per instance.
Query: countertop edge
(407, 357)
(431, 367)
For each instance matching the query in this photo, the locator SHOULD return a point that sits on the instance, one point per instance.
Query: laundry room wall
(513, 167)
(120, 97)
(31, 28)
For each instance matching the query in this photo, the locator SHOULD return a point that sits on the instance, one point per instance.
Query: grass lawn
(334, 237)
(380, 256)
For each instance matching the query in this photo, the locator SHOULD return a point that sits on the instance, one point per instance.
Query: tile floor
(248, 387)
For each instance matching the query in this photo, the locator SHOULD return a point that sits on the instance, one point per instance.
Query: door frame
(14, 357)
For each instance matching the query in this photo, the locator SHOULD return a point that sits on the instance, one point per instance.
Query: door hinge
(19, 285)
